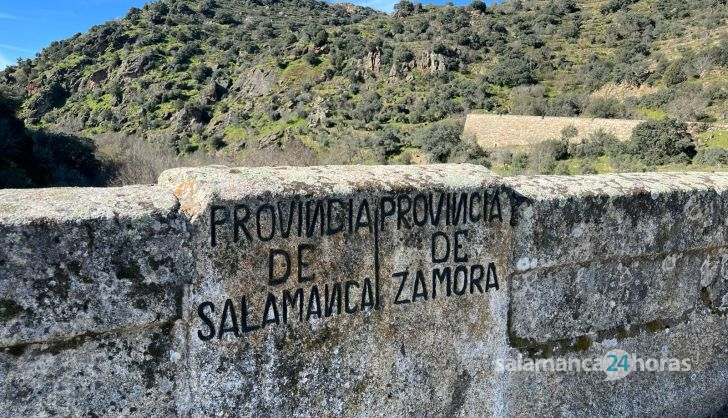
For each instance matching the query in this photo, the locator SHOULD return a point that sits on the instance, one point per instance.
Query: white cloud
(16, 48)
(4, 62)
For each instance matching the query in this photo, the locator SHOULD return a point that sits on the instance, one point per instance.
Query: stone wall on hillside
(367, 291)
(498, 131)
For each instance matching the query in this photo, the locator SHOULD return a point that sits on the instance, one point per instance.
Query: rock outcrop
(319, 113)
(256, 83)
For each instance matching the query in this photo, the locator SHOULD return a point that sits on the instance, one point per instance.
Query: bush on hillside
(478, 6)
(675, 73)
(586, 167)
(519, 162)
(662, 142)
(569, 132)
(439, 140)
(528, 100)
(511, 72)
(606, 107)
(712, 156)
(598, 144)
(627, 163)
(387, 143)
(567, 105)
(545, 156)
(443, 143)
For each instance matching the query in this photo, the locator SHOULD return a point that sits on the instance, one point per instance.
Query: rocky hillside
(35, 158)
(347, 83)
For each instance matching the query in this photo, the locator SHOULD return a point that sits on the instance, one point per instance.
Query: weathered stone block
(564, 302)
(344, 291)
(695, 391)
(714, 281)
(130, 374)
(78, 261)
(560, 220)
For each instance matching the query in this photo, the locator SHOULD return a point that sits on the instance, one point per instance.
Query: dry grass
(135, 161)
(294, 153)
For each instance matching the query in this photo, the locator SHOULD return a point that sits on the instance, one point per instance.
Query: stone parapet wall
(91, 284)
(635, 262)
(504, 131)
(499, 131)
(363, 291)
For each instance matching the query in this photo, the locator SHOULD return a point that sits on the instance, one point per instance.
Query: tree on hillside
(675, 73)
(369, 105)
(659, 142)
(404, 8)
(606, 107)
(702, 64)
(387, 142)
(512, 72)
(439, 140)
(478, 6)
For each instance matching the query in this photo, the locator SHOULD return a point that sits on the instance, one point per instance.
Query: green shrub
(404, 8)
(562, 169)
(478, 6)
(606, 107)
(544, 156)
(321, 38)
(586, 167)
(200, 72)
(369, 105)
(566, 105)
(674, 74)
(626, 163)
(226, 17)
(528, 100)
(387, 142)
(662, 142)
(402, 55)
(519, 163)
(443, 143)
(615, 5)
(439, 140)
(712, 156)
(598, 143)
(596, 72)
(311, 58)
(569, 132)
(511, 72)
(475, 154)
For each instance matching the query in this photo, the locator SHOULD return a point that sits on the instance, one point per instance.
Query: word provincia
(325, 217)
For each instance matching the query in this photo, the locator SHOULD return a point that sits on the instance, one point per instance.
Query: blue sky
(27, 26)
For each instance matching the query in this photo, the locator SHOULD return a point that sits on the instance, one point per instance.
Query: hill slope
(353, 84)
